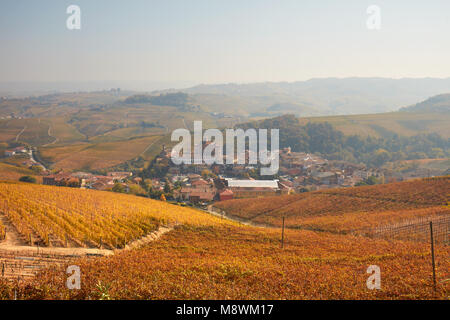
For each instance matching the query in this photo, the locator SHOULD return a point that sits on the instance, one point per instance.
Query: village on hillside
(299, 172)
(202, 184)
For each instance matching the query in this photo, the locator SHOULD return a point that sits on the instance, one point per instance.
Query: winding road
(20, 133)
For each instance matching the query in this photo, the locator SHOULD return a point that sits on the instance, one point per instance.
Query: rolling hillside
(346, 209)
(12, 172)
(97, 130)
(387, 124)
(439, 104)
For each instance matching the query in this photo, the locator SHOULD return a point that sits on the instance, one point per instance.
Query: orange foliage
(347, 208)
(230, 262)
(87, 217)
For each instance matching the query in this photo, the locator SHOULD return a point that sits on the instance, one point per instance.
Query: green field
(386, 124)
(89, 156)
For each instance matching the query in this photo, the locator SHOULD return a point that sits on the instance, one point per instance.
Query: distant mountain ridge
(331, 96)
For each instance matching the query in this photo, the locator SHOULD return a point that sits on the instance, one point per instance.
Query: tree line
(324, 139)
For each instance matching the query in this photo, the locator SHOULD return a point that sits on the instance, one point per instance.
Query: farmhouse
(199, 190)
(197, 194)
(326, 178)
(20, 150)
(59, 179)
(16, 151)
(226, 195)
(252, 188)
(120, 176)
(202, 195)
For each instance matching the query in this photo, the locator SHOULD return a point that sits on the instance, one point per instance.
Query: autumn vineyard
(348, 209)
(52, 216)
(325, 252)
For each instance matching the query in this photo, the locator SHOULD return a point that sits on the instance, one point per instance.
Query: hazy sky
(211, 41)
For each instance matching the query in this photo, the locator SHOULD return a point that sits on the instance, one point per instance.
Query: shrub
(29, 179)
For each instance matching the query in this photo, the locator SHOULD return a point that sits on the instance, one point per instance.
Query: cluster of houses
(17, 151)
(307, 171)
(195, 189)
(26, 156)
(11, 116)
(89, 180)
(298, 172)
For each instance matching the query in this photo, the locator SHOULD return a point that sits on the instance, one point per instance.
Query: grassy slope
(382, 124)
(11, 172)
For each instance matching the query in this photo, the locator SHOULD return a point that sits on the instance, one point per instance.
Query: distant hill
(332, 96)
(169, 99)
(438, 104)
(387, 124)
(324, 137)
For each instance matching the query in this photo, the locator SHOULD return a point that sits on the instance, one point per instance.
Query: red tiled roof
(226, 192)
(202, 195)
(199, 182)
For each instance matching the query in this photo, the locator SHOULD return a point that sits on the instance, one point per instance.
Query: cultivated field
(89, 156)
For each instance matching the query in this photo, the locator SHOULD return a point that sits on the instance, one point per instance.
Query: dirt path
(18, 135)
(12, 236)
(49, 133)
(149, 146)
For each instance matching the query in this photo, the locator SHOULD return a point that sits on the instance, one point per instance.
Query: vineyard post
(432, 256)
(282, 235)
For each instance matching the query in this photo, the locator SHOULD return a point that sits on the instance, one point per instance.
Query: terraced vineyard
(206, 257)
(73, 217)
(341, 210)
